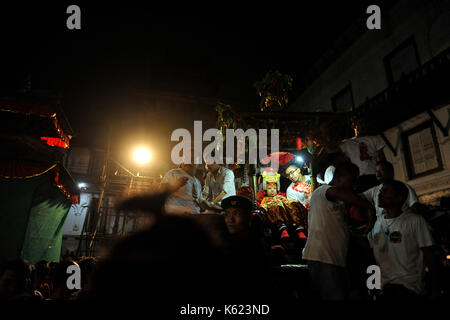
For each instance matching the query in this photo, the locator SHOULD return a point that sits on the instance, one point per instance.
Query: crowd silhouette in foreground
(176, 258)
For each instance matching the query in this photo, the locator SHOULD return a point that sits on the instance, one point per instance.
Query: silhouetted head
(166, 261)
(393, 194)
(14, 278)
(385, 171)
(346, 176)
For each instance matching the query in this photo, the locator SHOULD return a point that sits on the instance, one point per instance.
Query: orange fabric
(55, 142)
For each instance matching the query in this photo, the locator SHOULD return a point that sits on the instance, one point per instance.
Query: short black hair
(386, 164)
(400, 189)
(22, 269)
(237, 201)
(346, 169)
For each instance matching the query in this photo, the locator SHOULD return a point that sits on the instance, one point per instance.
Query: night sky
(210, 50)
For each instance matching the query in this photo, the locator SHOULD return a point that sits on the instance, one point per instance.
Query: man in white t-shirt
(402, 245)
(365, 152)
(219, 184)
(328, 237)
(187, 198)
(385, 173)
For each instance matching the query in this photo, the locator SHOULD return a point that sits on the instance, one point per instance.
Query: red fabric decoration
(299, 143)
(284, 234)
(357, 215)
(43, 110)
(283, 158)
(301, 235)
(302, 187)
(270, 170)
(55, 142)
(19, 170)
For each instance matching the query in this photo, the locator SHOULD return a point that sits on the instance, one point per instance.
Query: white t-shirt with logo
(373, 193)
(327, 230)
(396, 246)
(362, 151)
(187, 198)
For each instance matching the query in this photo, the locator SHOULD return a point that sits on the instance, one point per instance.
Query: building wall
(430, 187)
(362, 63)
(76, 216)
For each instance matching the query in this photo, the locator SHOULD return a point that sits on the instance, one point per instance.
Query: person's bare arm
(219, 197)
(336, 194)
(171, 188)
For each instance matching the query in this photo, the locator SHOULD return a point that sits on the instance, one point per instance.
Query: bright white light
(299, 159)
(82, 185)
(142, 155)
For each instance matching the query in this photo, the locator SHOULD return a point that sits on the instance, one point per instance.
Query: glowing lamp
(142, 155)
(82, 185)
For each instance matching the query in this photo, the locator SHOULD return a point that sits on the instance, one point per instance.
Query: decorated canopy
(36, 190)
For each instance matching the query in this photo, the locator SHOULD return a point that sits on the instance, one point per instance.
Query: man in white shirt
(328, 237)
(365, 152)
(300, 188)
(385, 173)
(187, 198)
(219, 184)
(402, 245)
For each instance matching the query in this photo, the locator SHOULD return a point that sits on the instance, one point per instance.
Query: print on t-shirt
(395, 237)
(364, 152)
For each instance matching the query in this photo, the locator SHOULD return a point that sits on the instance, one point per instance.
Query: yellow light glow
(142, 155)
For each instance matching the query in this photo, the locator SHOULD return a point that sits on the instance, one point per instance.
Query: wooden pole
(102, 193)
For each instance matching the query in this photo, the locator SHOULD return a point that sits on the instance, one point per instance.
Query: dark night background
(213, 51)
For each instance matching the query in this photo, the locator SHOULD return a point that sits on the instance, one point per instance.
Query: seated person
(184, 188)
(300, 188)
(242, 239)
(219, 185)
(247, 260)
(282, 212)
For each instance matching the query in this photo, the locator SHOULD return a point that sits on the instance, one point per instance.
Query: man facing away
(364, 151)
(327, 244)
(402, 245)
(187, 194)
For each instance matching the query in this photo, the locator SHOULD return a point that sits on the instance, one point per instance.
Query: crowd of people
(22, 281)
(357, 217)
